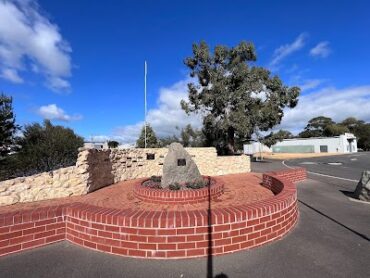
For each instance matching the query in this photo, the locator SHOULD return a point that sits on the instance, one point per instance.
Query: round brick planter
(159, 234)
(191, 196)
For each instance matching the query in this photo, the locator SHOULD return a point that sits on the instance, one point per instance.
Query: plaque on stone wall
(150, 156)
(181, 162)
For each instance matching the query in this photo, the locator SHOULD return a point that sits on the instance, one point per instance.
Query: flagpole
(145, 73)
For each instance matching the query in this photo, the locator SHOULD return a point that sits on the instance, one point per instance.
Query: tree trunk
(231, 140)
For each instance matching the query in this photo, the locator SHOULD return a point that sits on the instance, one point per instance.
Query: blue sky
(80, 63)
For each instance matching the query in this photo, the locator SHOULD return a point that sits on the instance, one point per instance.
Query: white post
(145, 72)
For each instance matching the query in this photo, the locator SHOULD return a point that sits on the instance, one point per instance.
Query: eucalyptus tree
(236, 97)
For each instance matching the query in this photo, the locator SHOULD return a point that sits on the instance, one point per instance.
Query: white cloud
(287, 49)
(129, 133)
(53, 112)
(166, 117)
(337, 104)
(11, 75)
(322, 50)
(29, 41)
(98, 138)
(58, 84)
(310, 84)
(332, 102)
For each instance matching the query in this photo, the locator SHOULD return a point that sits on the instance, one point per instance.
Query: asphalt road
(331, 239)
(349, 166)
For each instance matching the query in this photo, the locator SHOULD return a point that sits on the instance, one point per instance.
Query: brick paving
(113, 220)
(239, 189)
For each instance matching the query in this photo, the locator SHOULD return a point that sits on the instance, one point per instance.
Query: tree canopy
(322, 126)
(316, 126)
(151, 138)
(352, 123)
(273, 138)
(42, 148)
(235, 97)
(112, 144)
(335, 130)
(47, 147)
(166, 141)
(191, 137)
(360, 129)
(7, 125)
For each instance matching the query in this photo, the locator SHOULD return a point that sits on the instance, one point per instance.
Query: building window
(323, 148)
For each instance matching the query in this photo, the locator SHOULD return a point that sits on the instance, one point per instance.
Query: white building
(346, 143)
(96, 145)
(255, 147)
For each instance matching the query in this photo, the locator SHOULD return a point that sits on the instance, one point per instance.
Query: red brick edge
(293, 175)
(159, 234)
(161, 196)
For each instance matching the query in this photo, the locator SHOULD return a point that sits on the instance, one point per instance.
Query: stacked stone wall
(130, 164)
(55, 184)
(98, 168)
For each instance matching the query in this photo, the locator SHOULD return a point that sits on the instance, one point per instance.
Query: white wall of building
(96, 145)
(334, 145)
(345, 143)
(255, 147)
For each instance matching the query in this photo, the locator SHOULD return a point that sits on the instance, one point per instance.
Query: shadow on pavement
(209, 254)
(349, 194)
(335, 221)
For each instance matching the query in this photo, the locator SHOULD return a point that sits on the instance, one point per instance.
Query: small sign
(181, 162)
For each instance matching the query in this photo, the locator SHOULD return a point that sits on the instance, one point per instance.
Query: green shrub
(196, 184)
(156, 178)
(175, 186)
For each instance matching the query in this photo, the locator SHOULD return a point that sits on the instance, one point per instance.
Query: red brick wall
(180, 235)
(24, 230)
(159, 234)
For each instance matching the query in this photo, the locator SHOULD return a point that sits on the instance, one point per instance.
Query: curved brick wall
(292, 175)
(161, 196)
(159, 234)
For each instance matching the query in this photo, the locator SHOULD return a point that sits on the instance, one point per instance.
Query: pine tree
(7, 125)
(151, 138)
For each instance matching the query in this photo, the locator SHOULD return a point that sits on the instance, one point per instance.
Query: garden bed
(187, 193)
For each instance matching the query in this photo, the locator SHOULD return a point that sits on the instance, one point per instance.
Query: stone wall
(63, 182)
(98, 168)
(133, 163)
(55, 184)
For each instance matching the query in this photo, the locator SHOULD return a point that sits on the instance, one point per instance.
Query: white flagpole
(145, 72)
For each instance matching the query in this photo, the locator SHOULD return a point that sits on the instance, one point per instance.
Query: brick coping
(161, 196)
(159, 234)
